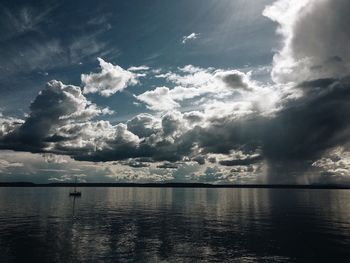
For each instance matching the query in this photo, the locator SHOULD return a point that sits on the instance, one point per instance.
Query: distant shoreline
(176, 185)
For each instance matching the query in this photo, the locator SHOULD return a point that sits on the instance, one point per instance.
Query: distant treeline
(179, 185)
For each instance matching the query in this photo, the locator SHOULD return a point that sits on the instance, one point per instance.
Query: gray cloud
(235, 79)
(316, 38)
(8, 124)
(136, 164)
(56, 105)
(168, 166)
(144, 125)
(242, 162)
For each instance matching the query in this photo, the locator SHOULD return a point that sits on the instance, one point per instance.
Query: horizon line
(176, 185)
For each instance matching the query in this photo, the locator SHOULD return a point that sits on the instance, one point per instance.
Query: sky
(215, 91)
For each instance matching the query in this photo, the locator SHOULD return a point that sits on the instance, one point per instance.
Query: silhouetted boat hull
(75, 194)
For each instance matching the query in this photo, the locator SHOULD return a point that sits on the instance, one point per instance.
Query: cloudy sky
(217, 91)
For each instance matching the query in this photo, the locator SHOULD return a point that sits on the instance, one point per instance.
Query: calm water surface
(174, 225)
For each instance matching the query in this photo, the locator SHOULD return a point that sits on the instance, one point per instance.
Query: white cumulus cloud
(110, 80)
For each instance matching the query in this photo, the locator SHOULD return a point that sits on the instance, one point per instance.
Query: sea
(138, 224)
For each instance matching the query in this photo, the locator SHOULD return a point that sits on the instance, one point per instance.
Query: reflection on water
(174, 225)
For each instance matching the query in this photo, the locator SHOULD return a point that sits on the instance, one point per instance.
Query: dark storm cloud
(316, 39)
(296, 136)
(308, 126)
(322, 34)
(246, 161)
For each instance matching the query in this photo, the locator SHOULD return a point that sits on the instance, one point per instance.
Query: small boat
(75, 193)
